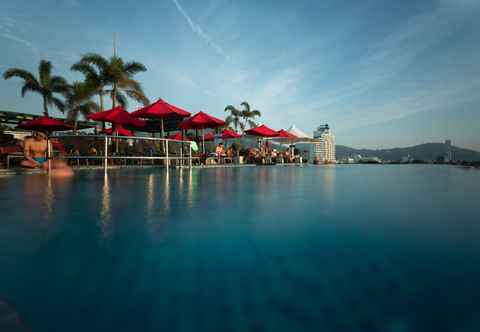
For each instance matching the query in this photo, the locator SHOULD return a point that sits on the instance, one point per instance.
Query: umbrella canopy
(209, 137)
(118, 131)
(228, 134)
(44, 123)
(176, 136)
(160, 110)
(202, 120)
(285, 134)
(118, 116)
(262, 131)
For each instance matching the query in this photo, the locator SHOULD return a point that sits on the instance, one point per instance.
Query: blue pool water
(341, 248)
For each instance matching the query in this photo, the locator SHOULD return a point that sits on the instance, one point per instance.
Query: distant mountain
(427, 151)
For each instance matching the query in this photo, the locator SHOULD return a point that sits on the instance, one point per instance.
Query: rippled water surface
(341, 248)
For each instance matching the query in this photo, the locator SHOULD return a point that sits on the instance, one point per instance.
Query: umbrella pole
(162, 132)
(203, 139)
(116, 143)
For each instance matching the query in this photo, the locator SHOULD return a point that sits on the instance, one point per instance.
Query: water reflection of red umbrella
(161, 110)
(202, 120)
(44, 123)
(262, 131)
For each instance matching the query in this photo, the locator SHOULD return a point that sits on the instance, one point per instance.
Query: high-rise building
(324, 144)
(448, 151)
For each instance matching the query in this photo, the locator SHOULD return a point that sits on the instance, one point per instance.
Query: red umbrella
(117, 116)
(202, 120)
(209, 137)
(161, 110)
(285, 134)
(44, 123)
(176, 136)
(118, 131)
(228, 134)
(262, 131)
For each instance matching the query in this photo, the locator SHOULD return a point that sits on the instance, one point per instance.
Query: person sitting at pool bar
(35, 152)
(220, 152)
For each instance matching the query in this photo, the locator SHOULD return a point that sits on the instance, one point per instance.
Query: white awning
(297, 132)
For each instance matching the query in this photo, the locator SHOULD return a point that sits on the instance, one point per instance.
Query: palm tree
(242, 118)
(234, 119)
(95, 78)
(114, 73)
(78, 101)
(46, 85)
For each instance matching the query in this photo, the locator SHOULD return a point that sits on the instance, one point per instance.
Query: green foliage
(78, 100)
(241, 119)
(113, 77)
(46, 85)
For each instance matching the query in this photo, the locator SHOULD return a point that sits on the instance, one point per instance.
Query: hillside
(427, 151)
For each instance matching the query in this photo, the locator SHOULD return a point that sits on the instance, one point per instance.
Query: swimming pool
(338, 248)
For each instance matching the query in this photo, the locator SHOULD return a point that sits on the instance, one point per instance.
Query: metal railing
(110, 149)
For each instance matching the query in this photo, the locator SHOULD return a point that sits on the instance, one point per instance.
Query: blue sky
(381, 73)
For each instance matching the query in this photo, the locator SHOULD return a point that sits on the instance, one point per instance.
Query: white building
(324, 145)
(448, 151)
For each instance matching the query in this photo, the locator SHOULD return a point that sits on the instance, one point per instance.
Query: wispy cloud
(28, 44)
(199, 31)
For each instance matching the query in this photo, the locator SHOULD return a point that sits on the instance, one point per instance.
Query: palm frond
(137, 96)
(20, 73)
(230, 108)
(30, 86)
(58, 104)
(44, 72)
(256, 113)
(95, 59)
(58, 84)
(133, 67)
(121, 99)
(84, 68)
(251, 123)
(246, 106)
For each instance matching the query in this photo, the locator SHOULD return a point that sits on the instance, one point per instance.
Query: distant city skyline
(381, 74)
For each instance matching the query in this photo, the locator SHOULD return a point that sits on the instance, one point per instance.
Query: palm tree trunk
(114, 95)
(100, 96)
(45, 106)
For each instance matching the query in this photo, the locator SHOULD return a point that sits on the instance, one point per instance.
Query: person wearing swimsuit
(35, 151)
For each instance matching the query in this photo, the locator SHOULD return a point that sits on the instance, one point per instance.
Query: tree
(235, 118)
(95, 77)
(46, 85)
(241, 118)
(115, 74)
(78, 101)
